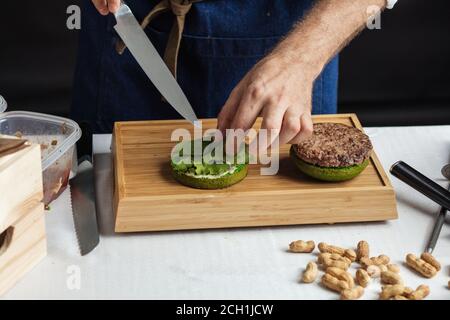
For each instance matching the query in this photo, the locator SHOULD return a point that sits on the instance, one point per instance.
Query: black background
(399, 75)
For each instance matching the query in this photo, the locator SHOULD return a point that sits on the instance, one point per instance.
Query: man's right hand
(106, 6)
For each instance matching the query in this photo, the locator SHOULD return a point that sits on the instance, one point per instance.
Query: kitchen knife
(440, 219)
(424, 185)
(82, 191)
(151, 62)
(429, 188)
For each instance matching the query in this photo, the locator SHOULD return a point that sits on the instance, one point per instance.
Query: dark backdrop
(394, 76)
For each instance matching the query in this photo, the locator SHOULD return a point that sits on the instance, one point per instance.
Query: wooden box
(22, 224)
(147, 198)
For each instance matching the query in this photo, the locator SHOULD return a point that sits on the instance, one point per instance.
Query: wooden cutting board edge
(120, 201)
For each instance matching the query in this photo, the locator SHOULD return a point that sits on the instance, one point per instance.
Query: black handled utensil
(430, 189)
(424, 185)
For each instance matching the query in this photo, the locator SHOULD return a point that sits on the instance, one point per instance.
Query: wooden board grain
(147, 198)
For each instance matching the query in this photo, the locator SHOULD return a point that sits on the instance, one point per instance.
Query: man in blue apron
(234, 59)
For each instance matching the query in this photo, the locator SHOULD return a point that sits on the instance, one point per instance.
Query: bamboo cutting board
(147, 198)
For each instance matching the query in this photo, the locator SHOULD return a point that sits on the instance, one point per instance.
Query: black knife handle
(84, 145)
(424, 185)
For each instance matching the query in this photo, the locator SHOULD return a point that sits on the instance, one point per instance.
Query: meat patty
(334, 145)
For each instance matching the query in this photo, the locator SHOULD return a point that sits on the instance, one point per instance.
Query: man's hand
(106, 6)
(279, 90)
(279, 87)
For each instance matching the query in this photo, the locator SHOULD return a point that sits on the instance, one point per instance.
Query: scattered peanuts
(428, 257)
(333, 256)
(334, 283)
(420, 293)
(377, 261)
(341, 275)
(335, 261)
(362, 278)
(404, 295)
(407, 291)
(352, 294)
(393, 268)
(373, 271)
(328, 262)
(390, 291)
(310, 273)
(383, 267)
(350, 254)
(421, 266)
(323, 247)
(389, 277)
(301, 246)
(362, 250)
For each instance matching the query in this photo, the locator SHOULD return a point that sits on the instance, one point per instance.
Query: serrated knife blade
(82, 191)
(151, 62)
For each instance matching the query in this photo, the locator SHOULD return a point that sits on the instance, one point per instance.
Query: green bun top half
(203, 164)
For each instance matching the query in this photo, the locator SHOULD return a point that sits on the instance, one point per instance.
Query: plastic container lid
(3, 104)
(40, 125)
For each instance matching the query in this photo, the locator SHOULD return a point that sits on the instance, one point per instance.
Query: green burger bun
(334, 152)
(328, 173)
(205, 174)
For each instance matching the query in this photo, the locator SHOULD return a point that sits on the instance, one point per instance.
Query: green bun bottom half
(328, 173)
(212, 183)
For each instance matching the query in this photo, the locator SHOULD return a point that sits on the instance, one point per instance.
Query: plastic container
(57, 137)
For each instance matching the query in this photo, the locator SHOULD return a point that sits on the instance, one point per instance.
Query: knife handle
(421, 183)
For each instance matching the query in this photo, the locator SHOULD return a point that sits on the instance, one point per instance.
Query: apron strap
(179, 8)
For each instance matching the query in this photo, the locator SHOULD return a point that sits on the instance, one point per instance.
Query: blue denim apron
(222, 40)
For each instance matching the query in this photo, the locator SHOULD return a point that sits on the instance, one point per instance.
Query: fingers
(101, 6)
(249, 107)
(272, 121)
(113, 5)
(291, 125)
(226, 115)
(306, 129)
(106, 6)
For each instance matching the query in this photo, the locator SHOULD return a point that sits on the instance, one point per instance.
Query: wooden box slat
(20, 184)
(147, 198)
(22, 222)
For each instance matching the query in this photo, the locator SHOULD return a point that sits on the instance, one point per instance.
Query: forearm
(325, 30)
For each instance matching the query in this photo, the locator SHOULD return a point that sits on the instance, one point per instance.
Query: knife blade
(83, 207)
(83, 198)
(151, 62)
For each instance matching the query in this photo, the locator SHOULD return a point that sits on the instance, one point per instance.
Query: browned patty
(334, 145)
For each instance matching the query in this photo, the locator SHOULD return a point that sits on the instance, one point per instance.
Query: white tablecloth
(241, 263)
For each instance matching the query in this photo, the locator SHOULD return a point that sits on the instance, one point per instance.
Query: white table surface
(242, 263)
